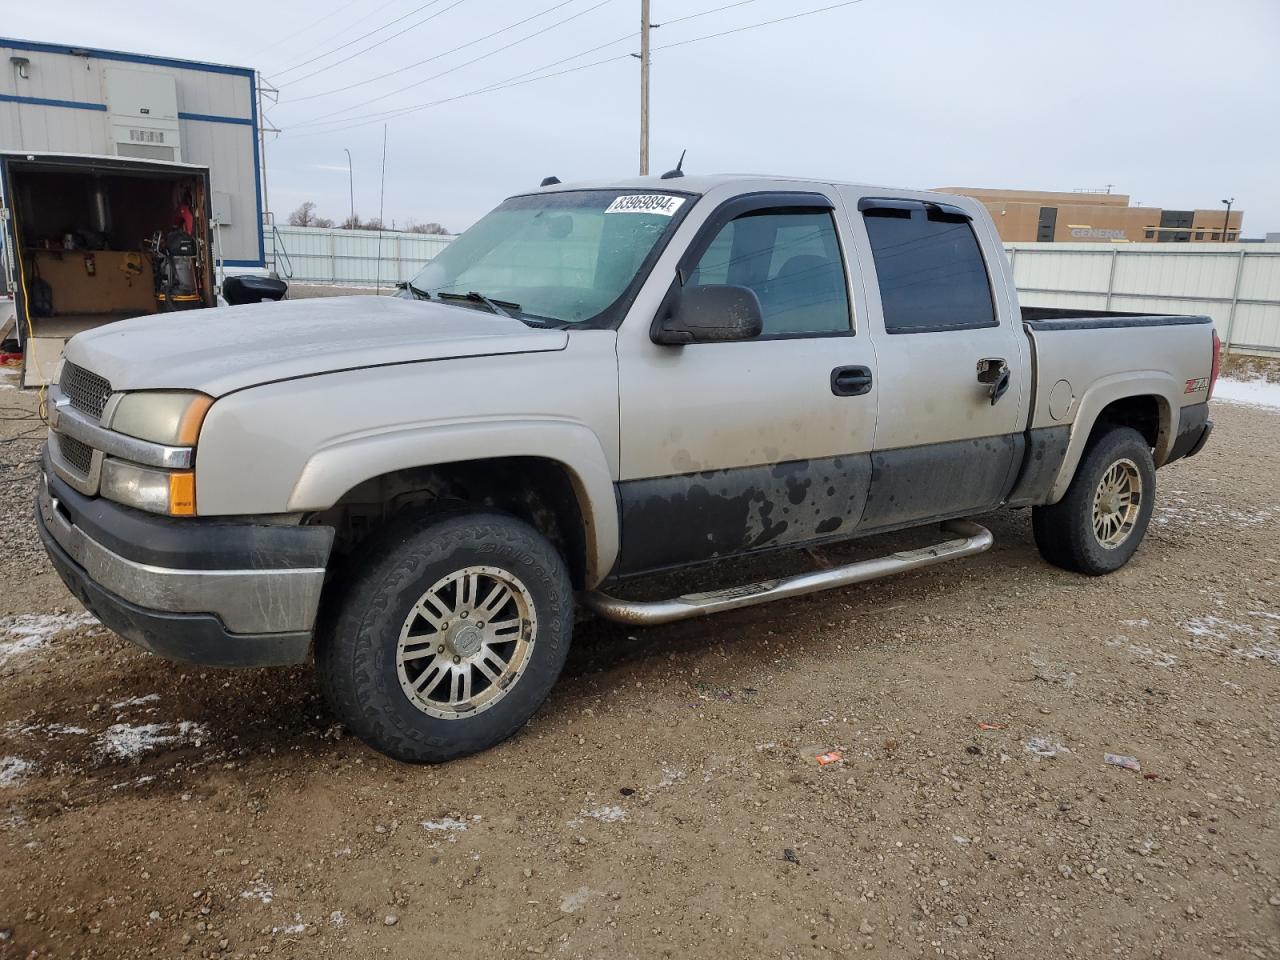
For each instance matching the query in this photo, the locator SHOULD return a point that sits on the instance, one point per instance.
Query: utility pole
(351, 186)
(644, 88)
(1226, 220)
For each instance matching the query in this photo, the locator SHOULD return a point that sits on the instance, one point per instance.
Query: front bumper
(214, 592)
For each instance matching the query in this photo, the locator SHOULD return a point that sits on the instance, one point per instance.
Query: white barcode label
(658, 203)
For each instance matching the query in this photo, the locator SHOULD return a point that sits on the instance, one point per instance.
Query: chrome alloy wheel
(466, 642)
(1117, 503)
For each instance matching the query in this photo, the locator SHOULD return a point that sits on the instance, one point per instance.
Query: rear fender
(1108, 390)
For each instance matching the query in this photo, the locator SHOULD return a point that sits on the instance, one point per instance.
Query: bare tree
(436, 229)
(305, 216)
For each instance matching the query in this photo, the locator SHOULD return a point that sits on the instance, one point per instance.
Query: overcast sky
(1175, 102)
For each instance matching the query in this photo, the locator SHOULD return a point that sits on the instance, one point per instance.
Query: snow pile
(1255, 393)
(126, 742)
(135, 701)
(447, 824)
(21, 634)
(14, 770)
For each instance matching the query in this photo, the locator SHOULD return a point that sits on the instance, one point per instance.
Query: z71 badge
(1195, 386)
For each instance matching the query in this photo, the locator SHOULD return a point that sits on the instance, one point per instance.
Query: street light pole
(1226, 219)
(351, 186)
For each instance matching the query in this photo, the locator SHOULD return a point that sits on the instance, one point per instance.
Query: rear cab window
(929, 266)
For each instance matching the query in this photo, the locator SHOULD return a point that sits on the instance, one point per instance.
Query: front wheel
(450, 639)
(1096, 527)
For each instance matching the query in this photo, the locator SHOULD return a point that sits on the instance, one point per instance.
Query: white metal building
(63, 99)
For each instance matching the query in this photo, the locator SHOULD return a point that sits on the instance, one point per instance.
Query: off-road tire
(356, 649)
(1064, 531)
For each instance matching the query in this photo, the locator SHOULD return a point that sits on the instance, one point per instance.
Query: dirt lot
(667, 801)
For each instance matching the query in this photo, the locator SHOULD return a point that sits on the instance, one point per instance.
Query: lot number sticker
(658, 203)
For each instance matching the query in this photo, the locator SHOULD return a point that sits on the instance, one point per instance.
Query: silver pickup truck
(595, 382)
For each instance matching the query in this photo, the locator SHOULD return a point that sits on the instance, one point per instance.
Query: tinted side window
(791, 260)
(931, 272)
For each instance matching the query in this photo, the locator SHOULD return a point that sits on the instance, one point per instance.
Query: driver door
(733, 447)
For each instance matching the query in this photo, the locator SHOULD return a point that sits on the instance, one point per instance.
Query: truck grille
(76, 453)
(87, 391)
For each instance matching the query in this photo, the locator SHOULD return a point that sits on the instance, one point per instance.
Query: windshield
(567, 258)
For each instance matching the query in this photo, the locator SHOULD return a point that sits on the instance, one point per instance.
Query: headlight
(170, 417)
(171, 492)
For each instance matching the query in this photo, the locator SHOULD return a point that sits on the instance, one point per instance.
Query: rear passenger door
(948, 342)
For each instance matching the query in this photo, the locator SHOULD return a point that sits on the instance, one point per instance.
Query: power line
(399, 33)
(338, 113)
(470, 43)
(378, 43)
(324, 118)
(756, 26)
(363, 36)
(517, 80)
(342, 7)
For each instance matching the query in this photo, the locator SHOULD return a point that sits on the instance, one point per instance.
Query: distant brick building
(1026, 215)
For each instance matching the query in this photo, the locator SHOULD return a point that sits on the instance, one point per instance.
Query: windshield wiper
(416, 291)
(501, 307)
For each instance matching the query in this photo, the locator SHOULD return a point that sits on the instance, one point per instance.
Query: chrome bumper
(246, 601)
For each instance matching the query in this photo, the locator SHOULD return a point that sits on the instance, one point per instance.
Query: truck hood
(225, 349)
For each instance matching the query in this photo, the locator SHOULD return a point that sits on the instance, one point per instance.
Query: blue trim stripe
(46, 102)
(243, 263)
(123, 57)
(211, 118)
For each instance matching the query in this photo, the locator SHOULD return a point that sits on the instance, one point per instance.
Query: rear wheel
(450, 639)
(1100, 522)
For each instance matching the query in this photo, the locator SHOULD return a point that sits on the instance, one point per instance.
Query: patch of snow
(575, 901)
(1255, 640)
(1254, 393)
(603, 814)
(293, 928)
(1207, 514)
(126, 741)
(136, 701)
(259, 890)
(338, 918)
(1044, 747)
(14, 771)
(1152, 656)
(670, 777)
(21, 634)
(447, 824)
(141, 781)
(1144, 622)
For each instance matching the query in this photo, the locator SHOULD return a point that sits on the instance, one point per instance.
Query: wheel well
(1141, 413)
(537, 490)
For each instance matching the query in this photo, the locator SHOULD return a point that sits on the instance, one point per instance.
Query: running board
(972, 539)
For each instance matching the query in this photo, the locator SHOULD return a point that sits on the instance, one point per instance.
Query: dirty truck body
(595, 382)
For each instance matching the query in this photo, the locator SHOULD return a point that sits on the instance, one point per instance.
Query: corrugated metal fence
(1237, 284)
(356, 257)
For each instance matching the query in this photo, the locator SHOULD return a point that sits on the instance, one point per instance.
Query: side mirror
(710, 314)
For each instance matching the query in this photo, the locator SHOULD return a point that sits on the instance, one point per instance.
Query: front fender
(345, 463)
(1103, 392)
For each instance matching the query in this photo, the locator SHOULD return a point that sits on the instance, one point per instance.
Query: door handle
(994, 373)
(850, 381)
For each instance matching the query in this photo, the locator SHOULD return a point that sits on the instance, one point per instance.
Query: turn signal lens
(182, 494)
(171, 417)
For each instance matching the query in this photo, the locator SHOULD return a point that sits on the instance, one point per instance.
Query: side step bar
(971, 539)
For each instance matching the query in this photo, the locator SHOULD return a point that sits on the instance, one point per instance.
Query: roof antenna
(677, 172)
(549, 181)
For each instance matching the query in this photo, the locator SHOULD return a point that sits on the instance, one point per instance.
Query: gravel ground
(667, 802)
